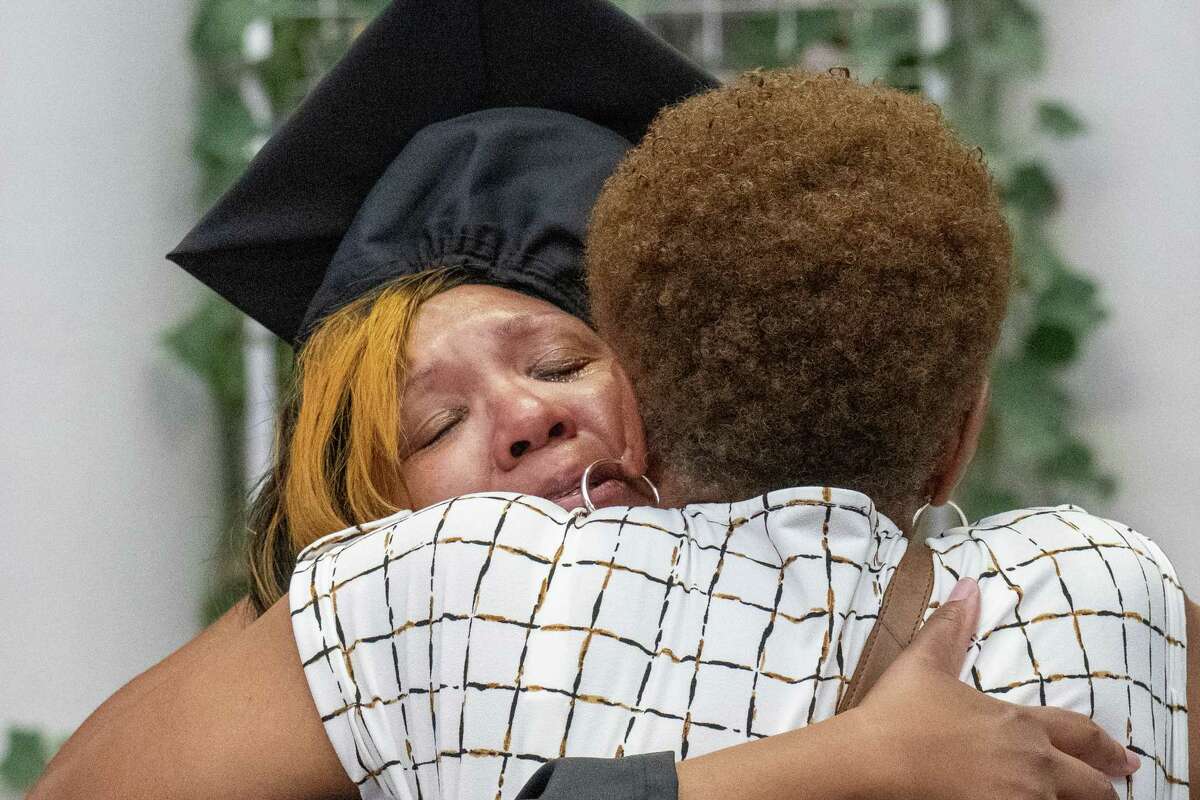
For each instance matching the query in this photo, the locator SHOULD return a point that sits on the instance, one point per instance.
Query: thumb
(943, 641)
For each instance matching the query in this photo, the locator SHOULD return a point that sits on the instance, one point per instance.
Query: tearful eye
(560, 369)
(444, 426)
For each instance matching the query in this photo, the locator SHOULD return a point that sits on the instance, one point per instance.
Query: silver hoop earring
(583, 484)
(962, 518)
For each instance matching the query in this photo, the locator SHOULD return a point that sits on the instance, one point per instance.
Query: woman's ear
(962, 447)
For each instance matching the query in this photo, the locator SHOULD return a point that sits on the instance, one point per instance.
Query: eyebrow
(516, 327)
(520, 325)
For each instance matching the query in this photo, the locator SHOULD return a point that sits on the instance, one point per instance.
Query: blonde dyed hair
(338, 437)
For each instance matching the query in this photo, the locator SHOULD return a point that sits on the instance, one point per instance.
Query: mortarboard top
(454, 132)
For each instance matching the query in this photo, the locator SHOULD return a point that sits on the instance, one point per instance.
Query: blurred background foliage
(258, 58)
(27, 751)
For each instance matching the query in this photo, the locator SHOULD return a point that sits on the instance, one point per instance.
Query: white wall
(107, 462)
(1131, 217)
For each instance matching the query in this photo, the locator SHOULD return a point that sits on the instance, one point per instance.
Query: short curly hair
(805, 277)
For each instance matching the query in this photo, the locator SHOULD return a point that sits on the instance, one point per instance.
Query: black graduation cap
(471, 133)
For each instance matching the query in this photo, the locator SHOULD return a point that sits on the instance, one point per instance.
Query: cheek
(622, 422)
(635, 433)
(456, 467)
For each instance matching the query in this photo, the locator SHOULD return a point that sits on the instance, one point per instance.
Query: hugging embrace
(794, 287)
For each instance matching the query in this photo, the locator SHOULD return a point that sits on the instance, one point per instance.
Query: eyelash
(560, 372)
(441, 432)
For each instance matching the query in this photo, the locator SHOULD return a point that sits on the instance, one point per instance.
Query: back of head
(805, 277)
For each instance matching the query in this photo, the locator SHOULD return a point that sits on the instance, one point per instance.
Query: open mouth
(606, 487)
(601, 491)
(596, 477)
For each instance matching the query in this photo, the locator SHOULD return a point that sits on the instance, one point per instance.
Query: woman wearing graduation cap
(456, 143)
(492, 174)
(447, 164)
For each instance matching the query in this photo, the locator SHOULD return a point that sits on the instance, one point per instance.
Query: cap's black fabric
(507, 198)
(268, 242)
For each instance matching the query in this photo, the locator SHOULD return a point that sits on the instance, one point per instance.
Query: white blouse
(453, 650)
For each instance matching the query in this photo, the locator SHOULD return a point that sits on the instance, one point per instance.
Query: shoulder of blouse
(1057, 538)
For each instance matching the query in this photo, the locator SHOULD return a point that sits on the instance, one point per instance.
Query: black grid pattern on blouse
(1086, 553)
(547, 565)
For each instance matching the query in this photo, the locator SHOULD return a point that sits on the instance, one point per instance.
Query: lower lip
(611, 492)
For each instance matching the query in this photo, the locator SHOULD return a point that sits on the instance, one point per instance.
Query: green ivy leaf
(1031, 189)
(1072, 460)
(219, 26)
(1074, 465)
(1019, 40)
(26, 758)
(284, 74)
(1034, 255)
(1057, 120)
(209, 342)
(1028, 409)
(225, 129)
(750, 42)
(885, 47)
(952, 58)
(1052, 344)
(1070, 300)
(1007, 40)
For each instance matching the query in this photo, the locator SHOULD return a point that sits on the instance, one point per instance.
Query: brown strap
(1193, 695)
(900, 617)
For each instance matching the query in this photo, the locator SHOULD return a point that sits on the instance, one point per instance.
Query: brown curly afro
(805, 277)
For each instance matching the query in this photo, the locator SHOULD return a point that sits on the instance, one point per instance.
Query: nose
(527, 421)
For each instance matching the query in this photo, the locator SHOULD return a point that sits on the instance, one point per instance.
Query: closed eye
(444, 425)
(560, 365)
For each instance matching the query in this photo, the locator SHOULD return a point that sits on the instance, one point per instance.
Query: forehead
(467, 316)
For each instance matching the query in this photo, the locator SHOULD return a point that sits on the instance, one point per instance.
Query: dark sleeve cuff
(642, 777)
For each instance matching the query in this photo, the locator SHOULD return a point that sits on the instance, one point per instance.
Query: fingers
(943, 641)
(1075, 780)
(1078, 736)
